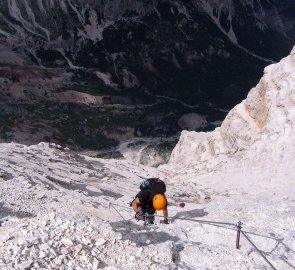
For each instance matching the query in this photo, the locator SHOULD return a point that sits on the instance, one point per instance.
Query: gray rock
(59, 260)
(44, 247)
(77, 248)
(22, 242)
(64, 251)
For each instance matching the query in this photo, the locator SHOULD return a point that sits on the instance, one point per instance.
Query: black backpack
(154, 184)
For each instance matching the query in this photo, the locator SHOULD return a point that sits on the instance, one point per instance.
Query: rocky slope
(61, 210)
(131, 68)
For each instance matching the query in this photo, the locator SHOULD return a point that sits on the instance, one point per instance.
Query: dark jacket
(146, 201)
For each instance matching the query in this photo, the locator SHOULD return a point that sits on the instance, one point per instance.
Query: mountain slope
(60, 209)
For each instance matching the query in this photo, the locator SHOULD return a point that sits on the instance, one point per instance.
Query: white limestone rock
(64, 251)
(67, 242)
(100, 242)
(25, 264)
(86, 241)
(77, 248)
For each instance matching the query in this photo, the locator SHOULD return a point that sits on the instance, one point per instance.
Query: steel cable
(213, 223)
(263, 256)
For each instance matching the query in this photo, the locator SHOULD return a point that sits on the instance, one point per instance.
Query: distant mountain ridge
(71, 25)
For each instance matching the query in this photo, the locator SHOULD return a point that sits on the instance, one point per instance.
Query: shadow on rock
(110, 193)
(190, 214)
(5, 212)
(142, 235)
(6, 176)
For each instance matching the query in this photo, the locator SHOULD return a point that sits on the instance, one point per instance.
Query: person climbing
(150, 199)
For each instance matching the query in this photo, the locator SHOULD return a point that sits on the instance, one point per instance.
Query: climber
(150, 199)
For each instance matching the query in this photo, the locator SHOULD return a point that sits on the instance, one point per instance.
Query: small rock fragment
(25, 264)
(67, 242)
(100, 242)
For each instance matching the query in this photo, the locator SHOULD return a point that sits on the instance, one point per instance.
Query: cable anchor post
(239, 228)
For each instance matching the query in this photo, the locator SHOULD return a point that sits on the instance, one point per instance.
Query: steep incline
(60, 210)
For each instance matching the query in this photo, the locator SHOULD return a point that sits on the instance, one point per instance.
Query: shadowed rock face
(152, 58)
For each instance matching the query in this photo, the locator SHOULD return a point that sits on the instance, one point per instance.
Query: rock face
(142, 65)
(264, 121)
